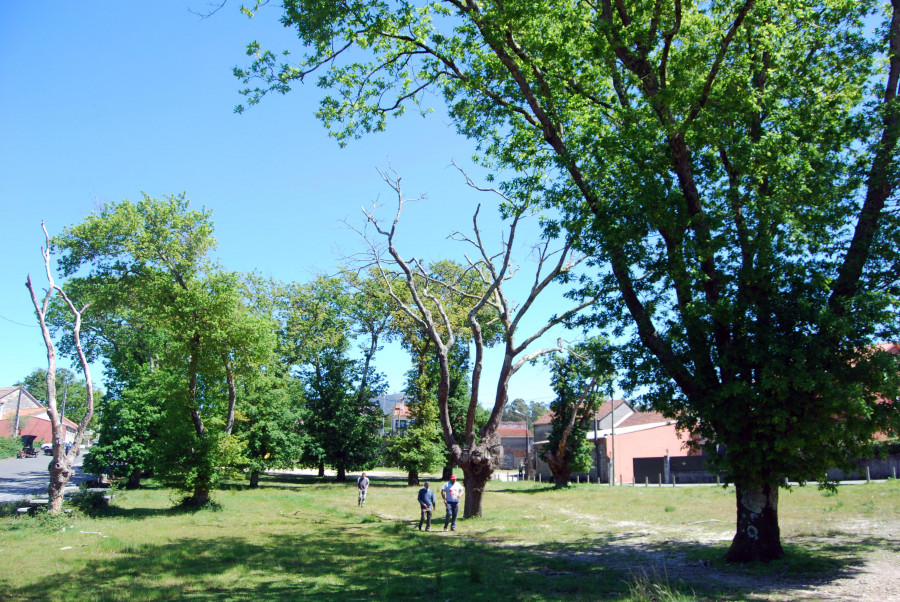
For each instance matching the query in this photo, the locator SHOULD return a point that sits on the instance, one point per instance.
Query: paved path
(28, 477)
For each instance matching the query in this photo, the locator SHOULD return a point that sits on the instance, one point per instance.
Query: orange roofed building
(32, 416)
(517, 444)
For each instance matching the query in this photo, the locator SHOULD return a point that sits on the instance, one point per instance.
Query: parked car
(48, 449)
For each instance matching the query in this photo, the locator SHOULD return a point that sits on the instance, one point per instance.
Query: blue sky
(104, 100)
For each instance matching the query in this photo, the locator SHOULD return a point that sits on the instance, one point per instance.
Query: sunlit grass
(300, 537)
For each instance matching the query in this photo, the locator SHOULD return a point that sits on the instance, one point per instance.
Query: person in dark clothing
(426, 504)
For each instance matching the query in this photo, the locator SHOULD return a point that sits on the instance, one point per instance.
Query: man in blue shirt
(426, 503)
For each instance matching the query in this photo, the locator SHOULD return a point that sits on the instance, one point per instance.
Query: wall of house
(658, 441)
(640, 444)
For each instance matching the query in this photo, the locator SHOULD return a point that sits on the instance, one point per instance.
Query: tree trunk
(758, 538)
(341, 474)
(412, 477)
(254, 478)
(448, 470)
(134, 479)
(60, 473)
(475, 481)
(321, 469)
(200, 497)
(560, 469)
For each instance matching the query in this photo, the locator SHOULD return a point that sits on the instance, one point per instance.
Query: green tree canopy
(176, 326)
(73, 391)
(733, 165)
(579, 378)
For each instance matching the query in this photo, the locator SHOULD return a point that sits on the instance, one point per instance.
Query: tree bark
(412, 477)
(341, 474)
(254, 478)
(321, 469)
(474, 483)
(200, 497)
(560, 469)
(447, 471)
(477, 466)
(758, 538)
(134, 479)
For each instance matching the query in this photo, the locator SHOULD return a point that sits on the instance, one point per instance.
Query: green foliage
(9, 447)
(180, 336)
(130, 426)
(269, 423)
(339, 414)
(68, 388)
(732, 166)
(90, 502)
(420, 447)
(577, 378)
(518, 410)
(881, 449)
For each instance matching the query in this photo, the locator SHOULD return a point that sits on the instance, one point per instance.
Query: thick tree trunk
(758, 538)
(321, 469)
(134, 479)
(60, 473)
(478, 465)
(341, 474)
(412, 477)
(254, 478)
(200, 497)
(448, 470)
(560, 469)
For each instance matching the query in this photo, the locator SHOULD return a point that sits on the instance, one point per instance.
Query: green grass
(297, 537)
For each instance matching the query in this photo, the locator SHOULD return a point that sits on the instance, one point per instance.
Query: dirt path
(871, 575)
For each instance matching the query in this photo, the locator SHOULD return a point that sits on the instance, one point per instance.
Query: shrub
(9, 446)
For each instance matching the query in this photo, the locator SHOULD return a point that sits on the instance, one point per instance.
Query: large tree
(323, 321)
(489, 311)
(733, 164)
(152, 256)
(60, 467)
(579, 379)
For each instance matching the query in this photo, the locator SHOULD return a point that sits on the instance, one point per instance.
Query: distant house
(400, 417)
(517, 444)
(619, 434)
(16, 403)
(387, 402)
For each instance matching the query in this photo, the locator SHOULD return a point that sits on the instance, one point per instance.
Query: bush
(90, 502)
(9, 446)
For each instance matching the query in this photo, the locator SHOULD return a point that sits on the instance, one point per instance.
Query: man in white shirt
(362, 483)
(451, 492)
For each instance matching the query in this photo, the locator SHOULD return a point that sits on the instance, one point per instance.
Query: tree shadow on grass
(808, 562)
(343, 561)
(529, 491)
(294, 481)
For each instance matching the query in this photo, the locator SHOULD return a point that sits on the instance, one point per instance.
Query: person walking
(451, 492)
(362, 483)
(426, 505)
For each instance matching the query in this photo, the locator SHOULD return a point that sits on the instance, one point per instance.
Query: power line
(18, 323)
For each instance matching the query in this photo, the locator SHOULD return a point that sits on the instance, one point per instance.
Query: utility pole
(612, 447)
(62, 414)
(18, 408)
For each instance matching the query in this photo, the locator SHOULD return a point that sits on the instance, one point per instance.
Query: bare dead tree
(60, 467)
(478, 454)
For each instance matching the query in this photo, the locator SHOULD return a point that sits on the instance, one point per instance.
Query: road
(28, 477)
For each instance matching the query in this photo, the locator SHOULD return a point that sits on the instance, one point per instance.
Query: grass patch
(296, 537)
